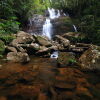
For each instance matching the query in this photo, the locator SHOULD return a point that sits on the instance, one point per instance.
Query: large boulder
(65, 59)
(61, 40)
(74, 36)
(18, 57)
(10, 49)
(22, 38)
(42, 40)
(90, 59)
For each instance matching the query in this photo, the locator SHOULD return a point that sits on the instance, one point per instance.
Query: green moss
(7, 38)
(2, 48)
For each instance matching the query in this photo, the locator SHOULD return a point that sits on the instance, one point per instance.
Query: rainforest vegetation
(14, 15)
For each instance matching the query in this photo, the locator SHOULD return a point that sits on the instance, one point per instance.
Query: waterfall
(75, 28)
(53, 14)
(47, 28)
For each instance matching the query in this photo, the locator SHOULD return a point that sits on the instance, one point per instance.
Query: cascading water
(53, 14)
(75, 28)
(47, 27)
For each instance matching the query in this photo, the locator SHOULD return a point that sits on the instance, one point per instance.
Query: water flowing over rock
(75, 28)
(47, 28)
(53, 13)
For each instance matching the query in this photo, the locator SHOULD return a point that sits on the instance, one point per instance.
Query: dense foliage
(87, 12)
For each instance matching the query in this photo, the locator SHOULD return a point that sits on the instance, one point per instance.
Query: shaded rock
(42, 96)
(43, 51)
(83, 45)
(28, 47)
(91, 58)
(65, 59)
(62, 25)
(2, 47)
(74, 36)
(18, 57)
(36, 24)
(84, 93)
(61, 40)
(10, 49)
(42, 40)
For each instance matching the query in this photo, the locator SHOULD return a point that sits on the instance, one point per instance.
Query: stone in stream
(18, 57)
(90, 59)
(61, 40)
(42, 40)
(65, 59)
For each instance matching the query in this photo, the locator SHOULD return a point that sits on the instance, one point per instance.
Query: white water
(75, 28)
(54, 54)
(53, 14)
(47, 28)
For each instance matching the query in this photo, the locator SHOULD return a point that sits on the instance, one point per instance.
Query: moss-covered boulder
(2, 47)
(74, 36)
(66, 59)
(90, 59)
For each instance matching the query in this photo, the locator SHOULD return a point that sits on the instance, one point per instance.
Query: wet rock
(3, 98)
(65, 59)
(42, 40)
(43, 51)
(18, 57)
(61, 40)
(42, 96)
(90, 59)
(84, 93)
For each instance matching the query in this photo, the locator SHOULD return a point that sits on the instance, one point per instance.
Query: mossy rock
(43, 41)
(2, 47)
(66, 59)
(74, 36)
